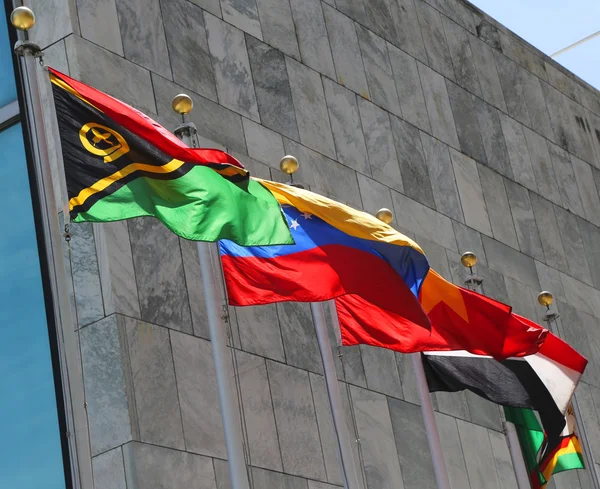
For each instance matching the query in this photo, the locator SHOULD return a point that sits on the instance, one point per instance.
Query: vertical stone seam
(274, 415)
(177, 390)
(128, 380)
(137, 289)
(312, 395)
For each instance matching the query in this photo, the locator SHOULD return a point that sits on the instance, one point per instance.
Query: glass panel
(8, 91)
(30, 450)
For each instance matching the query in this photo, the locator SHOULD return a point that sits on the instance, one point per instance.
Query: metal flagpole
(545, 299)
(335, 399)
(473, 282)
(433, 436)
(29, 54)
(217, 312)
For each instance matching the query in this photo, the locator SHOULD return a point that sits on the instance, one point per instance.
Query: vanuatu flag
(567, 455)
(120, 164)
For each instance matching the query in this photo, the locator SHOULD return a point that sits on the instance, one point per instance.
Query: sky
(551, 25)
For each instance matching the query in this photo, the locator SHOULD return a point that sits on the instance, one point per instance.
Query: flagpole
(516, 455)
(30, 55)
(217, 313)
(545, 299)
(433, 436)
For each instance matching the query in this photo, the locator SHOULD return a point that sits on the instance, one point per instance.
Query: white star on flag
(294, 224)
(306, 215)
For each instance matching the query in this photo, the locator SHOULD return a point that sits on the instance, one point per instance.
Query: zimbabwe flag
(120, 164)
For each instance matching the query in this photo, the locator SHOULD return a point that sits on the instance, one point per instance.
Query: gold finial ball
(545, 298)
(288, 164)
(182, 104)
(468, 259)
(385, 215)
(22, 18)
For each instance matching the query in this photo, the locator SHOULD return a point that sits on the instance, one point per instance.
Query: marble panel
(110, 73)
(195, 287)
(326, 429)
(493, 284)
(581, 295)
(549, 233)
(520, 298)
(258, 412)
(518, 153)
(346, 51)
(379, 140)
(259, 331)
(85, 274)
(479, 456)
(273, 93)
(550, 280)
(278, 26)
(504, 466)
(212, 6)
(467, 125)
(591, 242)
(222, 474)
(411, 443)
(436, 255)
(497, 157)
(462, 57)
(560, 123)
(115, 263)
(320, 485)
(494, 193)
(381, 371)
(263, 144)
(223, 128)
(441, 173)
(266, 479)
(379, 19)
(469, 240)
(566, 180)
(453, 452)
(536, 105)
(438, 106)
(471, 193)
(143, 35)
(312, 36)
(378, 69)
(409, 383)
(311, 109)
(585, 398)
(409, 150)
(354, 371)
(410, 37)
(296, 421)
(587, 190)
(346, 126)
(510, 262)
(573, 245)
(159, 274)
(410, 91)
(299, 337)
(511, 79)
(355, 9)
(491, 89)
(524, 219)
(55, 19)
(459, 13)
(423, 221)
(198, 395)
(382, 467)
(109, 409)
(452, 403)
(543, 168)
(109, 472)
(188, 47)
(243, 14)
(487, 32)
(581, 131)
(154, 385)
(92, 15)
(164, 468)
(233, 76)
(374, 195)
(434, 37)
(484, 412)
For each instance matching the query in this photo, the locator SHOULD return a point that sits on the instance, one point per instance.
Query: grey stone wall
(475, 139)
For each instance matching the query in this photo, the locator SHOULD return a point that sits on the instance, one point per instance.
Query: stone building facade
(476, 141)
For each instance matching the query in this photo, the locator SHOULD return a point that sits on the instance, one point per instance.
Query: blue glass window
(8, 90)
(30, 448)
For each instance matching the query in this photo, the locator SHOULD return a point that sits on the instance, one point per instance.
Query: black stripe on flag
(512, 382)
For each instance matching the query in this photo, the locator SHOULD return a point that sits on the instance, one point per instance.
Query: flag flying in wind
(566, 456)
(544, 380)
(338, 253)
(121, 164)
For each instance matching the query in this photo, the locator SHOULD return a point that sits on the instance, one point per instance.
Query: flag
(338, 253)
(566, 456)
(120, 164)
(543, 381)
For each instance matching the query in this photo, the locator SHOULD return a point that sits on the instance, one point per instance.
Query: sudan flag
(120, 164)
(543, 381)
(567, 455)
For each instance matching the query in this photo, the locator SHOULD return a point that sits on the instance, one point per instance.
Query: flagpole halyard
(238, 470)
(431, 431)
